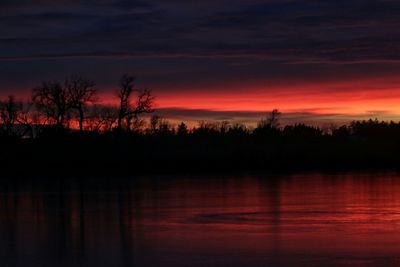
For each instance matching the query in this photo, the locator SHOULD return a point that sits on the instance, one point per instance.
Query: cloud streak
(290, 31)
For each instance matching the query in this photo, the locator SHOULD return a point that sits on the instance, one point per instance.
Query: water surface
(350, 219)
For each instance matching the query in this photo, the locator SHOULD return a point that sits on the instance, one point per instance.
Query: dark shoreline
(141, 155)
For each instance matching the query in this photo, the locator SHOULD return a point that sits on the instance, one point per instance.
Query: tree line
(64, 130)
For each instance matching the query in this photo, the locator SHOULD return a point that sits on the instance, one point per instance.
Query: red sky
(344, 100)
(316, 101)
(355, 98)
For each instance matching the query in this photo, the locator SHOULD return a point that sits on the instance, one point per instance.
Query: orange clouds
(356, 97)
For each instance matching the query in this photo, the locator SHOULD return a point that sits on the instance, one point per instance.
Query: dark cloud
(292, 31)
(131, 4)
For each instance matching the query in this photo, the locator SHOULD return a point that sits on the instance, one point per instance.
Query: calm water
(299, 220)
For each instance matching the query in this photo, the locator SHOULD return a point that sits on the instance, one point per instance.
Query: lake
(347, 219)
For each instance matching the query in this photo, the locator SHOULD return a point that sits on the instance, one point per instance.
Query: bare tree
(9, 112)
(137, 124)
(51, 98)
(101, 118)
(154, 123)
(81, 92)
(129, 111)
(29, 119)
(182, 129)
(272, 121)
(124, 95)
(159, 125)
(273, 118)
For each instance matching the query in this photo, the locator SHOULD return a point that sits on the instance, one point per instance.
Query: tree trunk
(119, 123)
(81, 118)
(128, 123)
(60, 121)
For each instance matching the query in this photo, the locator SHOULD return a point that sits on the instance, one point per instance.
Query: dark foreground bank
(93, 154)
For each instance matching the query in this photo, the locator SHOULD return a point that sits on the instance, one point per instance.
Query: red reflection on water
(345, 219)
(302, 220)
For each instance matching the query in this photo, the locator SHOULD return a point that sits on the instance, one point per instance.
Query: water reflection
(300, 220)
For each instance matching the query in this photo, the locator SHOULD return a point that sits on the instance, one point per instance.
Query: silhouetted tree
(268, 126)
(238, 129)
(273, 118)
(272, 121)
(302, 132)
(128, 110)
(29, 119)
(101, 118)
(341, 132)
(224, 127)
(159, 126)
(9, 112)
(154, 122)
(206, 129)
(124, 95)
(51, 98)
(182, 129)
(81, 92)
(165, 127)
(136, 123)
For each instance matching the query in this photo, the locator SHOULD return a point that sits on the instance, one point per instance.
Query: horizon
(193, 115)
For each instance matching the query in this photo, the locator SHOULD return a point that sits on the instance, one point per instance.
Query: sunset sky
(318, 61)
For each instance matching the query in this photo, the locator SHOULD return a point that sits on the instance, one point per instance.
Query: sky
(318, 61)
